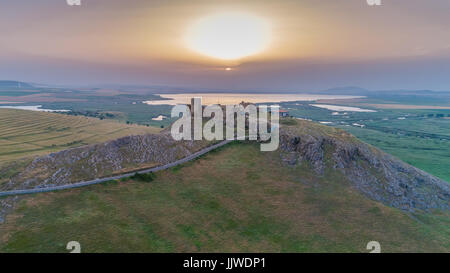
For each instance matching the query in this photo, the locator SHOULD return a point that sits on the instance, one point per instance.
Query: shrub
(288, 121)
(143, 177)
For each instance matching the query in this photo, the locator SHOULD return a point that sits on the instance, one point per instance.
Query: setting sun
(229, 36)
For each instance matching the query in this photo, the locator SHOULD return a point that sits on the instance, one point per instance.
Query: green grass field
(30, 133)
(430, 155)
(125, 107)
(235, 199)
(420, 137)
(420, 141)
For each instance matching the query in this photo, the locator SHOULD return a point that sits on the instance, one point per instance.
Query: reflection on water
(342, 108)
(227, 98)
(33, 108)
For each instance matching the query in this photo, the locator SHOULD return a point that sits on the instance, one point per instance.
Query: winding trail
(101, 180)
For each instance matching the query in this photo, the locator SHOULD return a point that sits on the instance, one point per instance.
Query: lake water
(33, 108)
(342, 108)
(228, 99)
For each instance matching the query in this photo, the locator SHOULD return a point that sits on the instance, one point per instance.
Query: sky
(310, 45)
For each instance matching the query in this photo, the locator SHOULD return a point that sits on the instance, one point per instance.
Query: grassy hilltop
(233, 199)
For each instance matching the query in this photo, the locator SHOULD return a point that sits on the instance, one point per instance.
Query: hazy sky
(313, 44)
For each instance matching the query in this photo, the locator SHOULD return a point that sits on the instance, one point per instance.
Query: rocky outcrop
(376, 174)
(100, 160)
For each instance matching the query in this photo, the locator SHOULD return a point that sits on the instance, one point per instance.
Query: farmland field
(29, 133)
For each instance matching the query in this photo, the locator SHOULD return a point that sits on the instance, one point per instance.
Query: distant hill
(349, 90)
(15, 85)
(358, 91)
